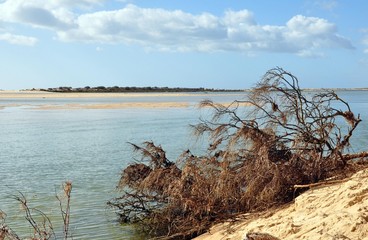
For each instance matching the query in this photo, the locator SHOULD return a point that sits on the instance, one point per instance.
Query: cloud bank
(165, 30)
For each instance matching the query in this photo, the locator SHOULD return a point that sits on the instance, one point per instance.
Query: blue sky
(210, 43)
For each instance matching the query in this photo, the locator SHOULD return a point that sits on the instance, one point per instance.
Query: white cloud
(180, 31)
(309, 33)
(166, 30)
(55, 15)
(51, 14)
(18, 39)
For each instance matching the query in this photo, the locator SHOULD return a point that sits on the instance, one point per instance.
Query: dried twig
(42, 229)
(65, 212)
(324, 183)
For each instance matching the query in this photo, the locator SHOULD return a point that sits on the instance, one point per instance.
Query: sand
(338, 211)
(116, 105)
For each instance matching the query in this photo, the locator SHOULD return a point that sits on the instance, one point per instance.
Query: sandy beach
(329, 212)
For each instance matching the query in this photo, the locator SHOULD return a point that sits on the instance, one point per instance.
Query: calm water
(40, 149)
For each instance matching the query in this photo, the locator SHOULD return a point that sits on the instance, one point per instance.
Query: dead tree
(260, 147)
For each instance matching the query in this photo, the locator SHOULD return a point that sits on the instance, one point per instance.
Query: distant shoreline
(117, 89)
(158, 90)
(335, 89)
(43, 94)
(36, 93)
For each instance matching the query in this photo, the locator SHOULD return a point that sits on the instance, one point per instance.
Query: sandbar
(116, 105)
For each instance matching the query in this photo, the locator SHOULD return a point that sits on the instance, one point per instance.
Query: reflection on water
(42, 148)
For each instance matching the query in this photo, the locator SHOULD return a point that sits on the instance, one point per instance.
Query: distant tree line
(135, 89)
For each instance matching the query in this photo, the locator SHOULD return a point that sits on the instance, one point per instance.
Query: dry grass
(39, 222)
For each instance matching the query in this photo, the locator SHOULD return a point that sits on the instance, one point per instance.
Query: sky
(193, 43)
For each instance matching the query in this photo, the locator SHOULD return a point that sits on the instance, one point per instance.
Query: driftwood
(311, 185)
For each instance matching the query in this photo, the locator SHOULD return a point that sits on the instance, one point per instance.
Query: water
(358, 101)
(42, 148)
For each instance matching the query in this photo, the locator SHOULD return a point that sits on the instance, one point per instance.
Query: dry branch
(324, 183)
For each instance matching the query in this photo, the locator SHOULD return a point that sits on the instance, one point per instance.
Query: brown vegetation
(283, 137)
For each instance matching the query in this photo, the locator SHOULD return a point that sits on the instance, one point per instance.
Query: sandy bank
(116, 105)
(332, 212)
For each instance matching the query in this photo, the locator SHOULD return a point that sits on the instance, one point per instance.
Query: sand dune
(338, 211)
